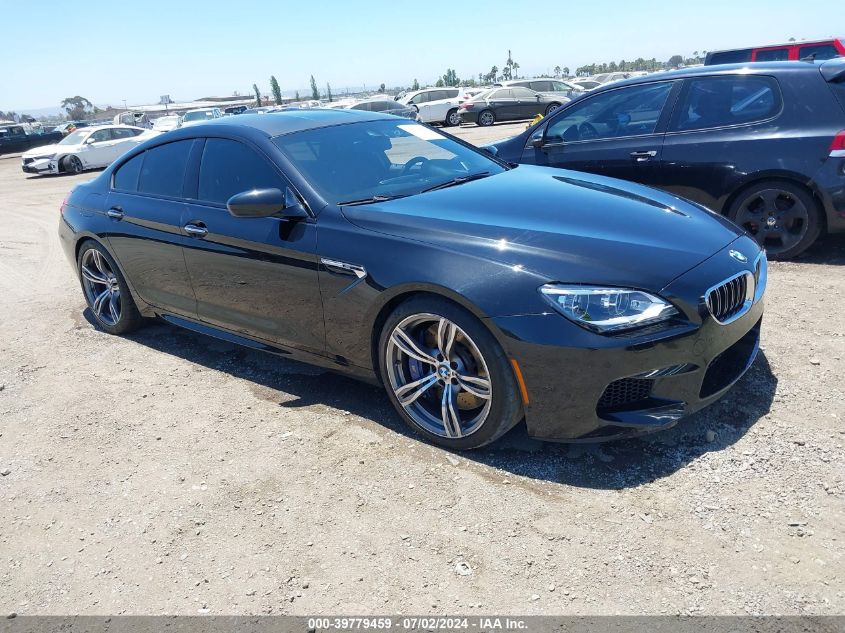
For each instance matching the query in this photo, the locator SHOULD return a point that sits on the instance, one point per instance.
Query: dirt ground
(171, 473)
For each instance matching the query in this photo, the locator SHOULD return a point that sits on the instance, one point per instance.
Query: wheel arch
(397, 296)
(85, 236)
(791, 178)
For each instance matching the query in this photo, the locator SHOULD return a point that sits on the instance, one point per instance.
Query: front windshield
(74, 138)
(198, 116)
(358, 161)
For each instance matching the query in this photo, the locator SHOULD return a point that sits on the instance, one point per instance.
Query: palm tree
(566, 71)
(557, 72)
(515, 69)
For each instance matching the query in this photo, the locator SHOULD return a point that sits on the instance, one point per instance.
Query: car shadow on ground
(829, 249)
(610, 465)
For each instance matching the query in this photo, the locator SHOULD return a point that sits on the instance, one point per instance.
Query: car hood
(566, 226)
(47, 150)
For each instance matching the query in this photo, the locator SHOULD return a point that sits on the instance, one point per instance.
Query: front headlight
(45, 157)
(607, 309)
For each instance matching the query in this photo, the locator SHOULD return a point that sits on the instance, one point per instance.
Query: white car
(167, 123)
(85, 148)
(436, 105)
(200, 115)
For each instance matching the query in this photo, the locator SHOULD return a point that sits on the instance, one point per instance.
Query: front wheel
(486, 118)
(782, 217)
(552, 107)
(72, 164)
(446, 374)
(453, 118)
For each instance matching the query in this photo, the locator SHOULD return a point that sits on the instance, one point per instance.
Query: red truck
(816, 50)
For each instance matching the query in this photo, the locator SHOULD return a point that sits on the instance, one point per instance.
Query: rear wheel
(106, 291)
(453, 118)
(486, 118)
(781, 216)
(446, 374)
(72, 165)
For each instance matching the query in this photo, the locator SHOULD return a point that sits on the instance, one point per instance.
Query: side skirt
(337, 364)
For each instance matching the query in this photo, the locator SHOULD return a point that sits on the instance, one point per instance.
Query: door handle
(641, 157)
(194, 230)
(116, 213)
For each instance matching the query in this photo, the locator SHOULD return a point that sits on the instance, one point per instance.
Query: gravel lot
(171, 473)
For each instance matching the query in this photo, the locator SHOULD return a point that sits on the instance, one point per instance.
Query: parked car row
(763, 144)
(508, 104)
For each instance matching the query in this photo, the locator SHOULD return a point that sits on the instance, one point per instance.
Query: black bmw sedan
(477, 293)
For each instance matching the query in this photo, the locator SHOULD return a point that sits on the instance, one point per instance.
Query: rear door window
(709, 102)
(523, 93)
(163, 171)
(230, 167)
(541, 86)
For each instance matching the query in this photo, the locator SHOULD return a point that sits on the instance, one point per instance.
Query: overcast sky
(111, 50)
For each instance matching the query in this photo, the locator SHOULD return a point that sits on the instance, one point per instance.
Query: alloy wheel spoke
(446, 332)
(410, 348)
(410, 393)
(479, 387)
(451, 419)
(114, 306)
(770, 197)
(94, 277)
(99, 301)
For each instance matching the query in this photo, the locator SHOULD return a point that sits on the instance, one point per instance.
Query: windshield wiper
(459, 180)
(371, 200)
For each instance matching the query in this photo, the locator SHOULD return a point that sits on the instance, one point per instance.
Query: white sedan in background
(85, 148)
(167, 123)
(200, 115)
(436, 105)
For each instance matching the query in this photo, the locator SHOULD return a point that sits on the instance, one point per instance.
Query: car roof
(745, 68)
(289, 121)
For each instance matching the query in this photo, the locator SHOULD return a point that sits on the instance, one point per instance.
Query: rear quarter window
(126, 176)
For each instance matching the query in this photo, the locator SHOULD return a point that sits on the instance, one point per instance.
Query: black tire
(453, 119)
(505, 403)
(486, 121)
(72, 165)
(782, 216)
(551, 108)
(129, 317)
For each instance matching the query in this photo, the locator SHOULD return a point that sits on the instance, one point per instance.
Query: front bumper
(586, 386)
(39, 166)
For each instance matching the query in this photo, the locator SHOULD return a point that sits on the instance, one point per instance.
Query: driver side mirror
(263, 203)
